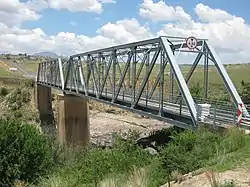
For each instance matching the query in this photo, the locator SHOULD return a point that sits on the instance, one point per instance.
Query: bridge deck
(174, 114)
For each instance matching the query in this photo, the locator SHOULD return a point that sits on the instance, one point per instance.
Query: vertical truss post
(88, 71)
(147, 72)
(103, 65)
(61, 73)
(162, 68)
(45, 72)
(51, 71)
(38, 72)
(99, 71)
(171, 85)
(133, 77)
(226, 79)
(205, 73)
(42, 72)
(114, 74)
(81, 76)
(67, 73)
(56, 74)
(180, 79)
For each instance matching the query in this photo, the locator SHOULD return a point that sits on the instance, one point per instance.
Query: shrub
(196, 90)
(18, 97)
(25, 155)
(245, 90)
(90, 167)
(3, 91)
(189, 151)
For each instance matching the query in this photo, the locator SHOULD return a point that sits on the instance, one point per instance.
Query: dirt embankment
(103, 124)
(238, 177)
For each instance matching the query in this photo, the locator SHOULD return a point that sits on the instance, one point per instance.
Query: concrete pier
(43, 102)
(73, 120)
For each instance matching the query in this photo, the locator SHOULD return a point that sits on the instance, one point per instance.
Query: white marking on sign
(191, 42)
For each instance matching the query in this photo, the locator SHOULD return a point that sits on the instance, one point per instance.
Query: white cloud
(208, 14)
(23, 40)
(160, 11)
(13, 12)
(228, 33)
(125, 31)
(107, 1)
(76, 5)
(230, 37)
(70, 5)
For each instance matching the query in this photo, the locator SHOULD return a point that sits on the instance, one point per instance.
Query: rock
(151, 151)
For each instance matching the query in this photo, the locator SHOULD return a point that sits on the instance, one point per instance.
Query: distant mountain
(46, 54)
(4, 52)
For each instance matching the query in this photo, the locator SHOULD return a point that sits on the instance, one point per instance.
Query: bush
(3, 91)
(90, 167)
(18, 97)
(196, 90)
(189, 151)
(26, 154)
(245, 92)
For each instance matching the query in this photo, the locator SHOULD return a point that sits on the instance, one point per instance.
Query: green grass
(239, 158)
(214, 79)
(187, 152)
(6, 73)
(31, 65)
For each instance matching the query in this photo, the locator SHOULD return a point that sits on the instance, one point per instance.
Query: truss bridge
(147, 78)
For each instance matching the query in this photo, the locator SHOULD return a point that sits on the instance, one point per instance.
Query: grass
(128, 165)
(31, 65)
(226, 161)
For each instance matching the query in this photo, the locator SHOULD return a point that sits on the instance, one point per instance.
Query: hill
(46, 54)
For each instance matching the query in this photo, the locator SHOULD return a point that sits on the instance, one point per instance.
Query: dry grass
(137, 178)
(212, 178)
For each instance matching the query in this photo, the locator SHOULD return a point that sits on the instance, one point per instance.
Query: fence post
(180, 106)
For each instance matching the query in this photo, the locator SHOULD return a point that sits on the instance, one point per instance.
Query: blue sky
(54, 21)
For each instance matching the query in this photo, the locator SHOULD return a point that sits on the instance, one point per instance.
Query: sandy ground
(240, 177)
(103, 125)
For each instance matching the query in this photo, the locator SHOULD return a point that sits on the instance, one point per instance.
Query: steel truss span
(140, 77)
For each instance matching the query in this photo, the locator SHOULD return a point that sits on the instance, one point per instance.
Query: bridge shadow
(48, 124)
(158, 138)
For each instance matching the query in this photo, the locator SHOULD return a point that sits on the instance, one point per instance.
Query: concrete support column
(73, 120)
(43, 102)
